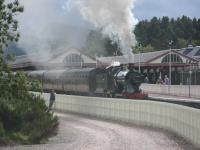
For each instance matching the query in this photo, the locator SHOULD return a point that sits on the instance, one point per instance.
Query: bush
(24, 118)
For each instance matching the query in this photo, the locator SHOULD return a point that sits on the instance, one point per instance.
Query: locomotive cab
(126, 82)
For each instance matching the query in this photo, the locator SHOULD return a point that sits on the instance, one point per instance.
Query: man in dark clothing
(52, 99)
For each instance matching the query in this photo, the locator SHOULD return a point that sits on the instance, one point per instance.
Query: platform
(171, 97)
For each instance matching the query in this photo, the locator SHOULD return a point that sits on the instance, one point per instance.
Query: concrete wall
(182, 120)
(178, 90)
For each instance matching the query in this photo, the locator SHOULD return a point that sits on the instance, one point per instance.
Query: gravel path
(84, 133)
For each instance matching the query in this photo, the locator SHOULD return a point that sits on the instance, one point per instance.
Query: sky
(146, 9)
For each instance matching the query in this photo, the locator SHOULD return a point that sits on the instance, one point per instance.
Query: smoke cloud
(49, 26)
(114, 17)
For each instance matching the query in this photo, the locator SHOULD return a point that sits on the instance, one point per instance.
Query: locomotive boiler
(108, 82)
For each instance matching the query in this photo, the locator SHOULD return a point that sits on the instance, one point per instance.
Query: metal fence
(190, 77)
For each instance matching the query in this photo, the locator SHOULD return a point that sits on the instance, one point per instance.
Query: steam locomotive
(108, 82)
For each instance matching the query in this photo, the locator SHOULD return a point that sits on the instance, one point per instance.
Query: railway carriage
(108, 82)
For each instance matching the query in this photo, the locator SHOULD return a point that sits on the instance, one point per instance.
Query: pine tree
(158, 32)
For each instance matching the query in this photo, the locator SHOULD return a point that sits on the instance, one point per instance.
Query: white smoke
(114, 17)
(47, 26)
(50, 26)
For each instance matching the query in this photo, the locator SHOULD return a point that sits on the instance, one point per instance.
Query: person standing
(166, 80)
(52, 99)
(160, 81)
(146, 80)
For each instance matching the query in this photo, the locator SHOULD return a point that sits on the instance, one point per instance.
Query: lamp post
(190, 81)
(140, 58)
(170, 62)
(115, 55)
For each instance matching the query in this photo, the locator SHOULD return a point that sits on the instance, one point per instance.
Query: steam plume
(114, 17)
(47, 26)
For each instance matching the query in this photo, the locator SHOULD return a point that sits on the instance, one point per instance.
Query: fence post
(190, 72)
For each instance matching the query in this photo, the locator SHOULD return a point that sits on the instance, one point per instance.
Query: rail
(182, 120)
(176, 90)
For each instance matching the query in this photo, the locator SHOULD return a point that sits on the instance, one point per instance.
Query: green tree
(196, 42)
(142, 49)
(8, 25)
(157, 32)
(23, 116)
(154, 32)
(181, 43)
(99, 45)
(141, 32)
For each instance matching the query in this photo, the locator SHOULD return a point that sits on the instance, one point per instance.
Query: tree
(181, 42)
(141, 32)
(142, 49)
(154, 31)
(157, 32)
(99, 45)
(8, 25)
(20, 111)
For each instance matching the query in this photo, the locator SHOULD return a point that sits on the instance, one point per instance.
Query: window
(73, 59)
(174, 58)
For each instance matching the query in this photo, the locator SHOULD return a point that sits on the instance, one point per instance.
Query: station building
(157, 64)
(184, 63)
(71, 58)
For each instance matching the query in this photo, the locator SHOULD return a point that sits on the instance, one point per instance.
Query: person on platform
(159, 81)
(166, 80)
(146, 80)
(52, 99)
